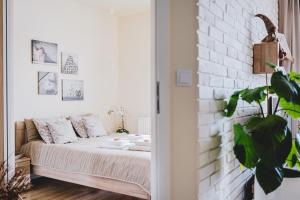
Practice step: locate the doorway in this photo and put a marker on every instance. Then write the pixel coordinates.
(159, 86)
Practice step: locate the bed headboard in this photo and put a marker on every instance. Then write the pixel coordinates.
(20, 133)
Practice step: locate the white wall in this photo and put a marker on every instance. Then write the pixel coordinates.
(114, 59)
(227, 32)
(90, 33)
(135, 68)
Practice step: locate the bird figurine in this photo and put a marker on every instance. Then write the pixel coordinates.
(271, 28)
(271, 37)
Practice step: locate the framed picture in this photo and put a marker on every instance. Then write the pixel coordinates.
(47, 83)
(72, 90)
(44, 52)
(69, 63)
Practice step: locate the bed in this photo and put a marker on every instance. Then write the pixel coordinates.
(86, 163)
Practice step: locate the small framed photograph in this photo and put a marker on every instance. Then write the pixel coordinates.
(69, 63)
(72, 90)
(47, 83)
(44, 52)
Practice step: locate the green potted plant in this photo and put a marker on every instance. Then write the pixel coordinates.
(264, 143)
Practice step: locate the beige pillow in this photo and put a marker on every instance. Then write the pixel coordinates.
(31, 131)
(93, 126)
(62, 131)
(78, 125)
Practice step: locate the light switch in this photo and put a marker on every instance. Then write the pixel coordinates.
(184, 78)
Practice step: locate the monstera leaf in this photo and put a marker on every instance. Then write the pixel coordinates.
(249, 95)
(293, 158)
(297, 142)
(285, 88)
(291, 109)
(271, 65)
(269, 177)
(291, 173)
(271, 138)
(257, 94)
(294, 77)
(244, 149)
(232, 104)
(253, 122)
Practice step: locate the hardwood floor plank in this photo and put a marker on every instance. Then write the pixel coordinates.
(49, 189)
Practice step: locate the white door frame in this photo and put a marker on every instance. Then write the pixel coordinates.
(8, 86)
(161, 154)
(161, 140)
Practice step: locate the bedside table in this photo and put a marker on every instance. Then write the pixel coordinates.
(23, 163)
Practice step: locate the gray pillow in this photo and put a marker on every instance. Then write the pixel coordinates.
(78, 125)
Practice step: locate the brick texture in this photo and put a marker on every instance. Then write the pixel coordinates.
(227, 32)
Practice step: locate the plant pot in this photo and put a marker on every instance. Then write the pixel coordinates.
(289, 189)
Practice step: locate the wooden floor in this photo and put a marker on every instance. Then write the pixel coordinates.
(49, 189)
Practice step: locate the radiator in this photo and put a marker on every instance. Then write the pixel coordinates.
(144, 126)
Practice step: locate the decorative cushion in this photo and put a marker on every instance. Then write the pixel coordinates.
(78, 125)
(62, 131)
(31, 131)
(44, 132)
(93, 125)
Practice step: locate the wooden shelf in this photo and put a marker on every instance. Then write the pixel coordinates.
(263, 53)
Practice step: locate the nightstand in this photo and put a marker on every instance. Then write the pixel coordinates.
(23, 163)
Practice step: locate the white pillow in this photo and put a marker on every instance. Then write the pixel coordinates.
(62, 131)
(41, 126)
(93, 126)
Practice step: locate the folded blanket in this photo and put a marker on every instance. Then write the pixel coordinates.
(140, 148)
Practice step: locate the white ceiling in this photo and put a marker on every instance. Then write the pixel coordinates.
(120, 7)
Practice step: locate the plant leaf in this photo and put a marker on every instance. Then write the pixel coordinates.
(232, 104)
(273, 66)
(291, 109)
(253, 122)
(293, 158)
(272, 139)
(294, 77)
(270, 90)
(243, 147)
(285, 88)
(297, 142)
(269, 177)
(291, 173)
(257, 94)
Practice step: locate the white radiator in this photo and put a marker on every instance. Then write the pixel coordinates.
(144, 126)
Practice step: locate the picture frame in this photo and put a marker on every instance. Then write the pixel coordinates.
(72, 90)
(44, 52)
(69, 63)
(47, 83)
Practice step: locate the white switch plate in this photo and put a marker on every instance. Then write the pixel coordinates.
(184, 78)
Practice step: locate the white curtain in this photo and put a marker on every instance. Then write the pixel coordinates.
(289, 25)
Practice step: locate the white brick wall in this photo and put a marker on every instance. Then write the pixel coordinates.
(227, 32)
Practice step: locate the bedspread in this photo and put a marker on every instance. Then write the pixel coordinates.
(85, 157)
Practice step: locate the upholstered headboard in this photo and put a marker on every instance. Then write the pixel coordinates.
(20, 135)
